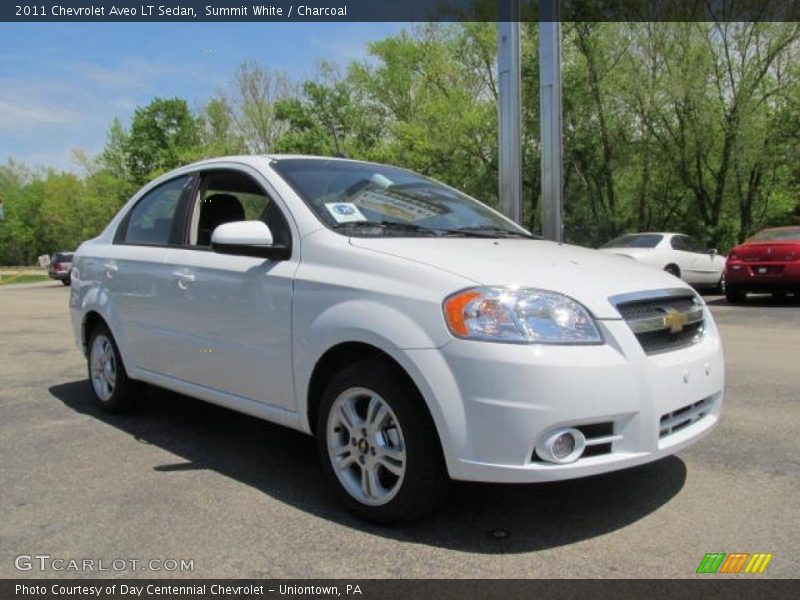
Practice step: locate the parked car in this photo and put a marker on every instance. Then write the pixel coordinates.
(60, 266)
(678, 254)
(416, 332)
(767, 262)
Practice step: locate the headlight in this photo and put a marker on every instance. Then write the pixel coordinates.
(519, 315)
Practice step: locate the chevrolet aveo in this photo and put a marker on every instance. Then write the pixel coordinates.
(419, 335)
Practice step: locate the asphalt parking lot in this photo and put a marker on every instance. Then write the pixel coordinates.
(180, 479)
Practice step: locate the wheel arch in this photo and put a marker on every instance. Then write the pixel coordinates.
(333, 360)
(447, 418)
(90, 321)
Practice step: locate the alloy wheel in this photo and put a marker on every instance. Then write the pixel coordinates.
(366, 446)
(103, 367)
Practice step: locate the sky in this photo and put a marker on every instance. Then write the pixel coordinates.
(61, 84)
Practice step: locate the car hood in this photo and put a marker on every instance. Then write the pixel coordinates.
(588, 276)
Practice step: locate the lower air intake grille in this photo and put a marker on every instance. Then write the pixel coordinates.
(683, 417)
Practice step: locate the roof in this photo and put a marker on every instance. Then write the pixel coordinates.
(653, 233)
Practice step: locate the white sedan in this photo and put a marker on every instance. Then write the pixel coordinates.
(676, 253)
(418, 334)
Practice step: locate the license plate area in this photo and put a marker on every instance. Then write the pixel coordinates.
(767, 270)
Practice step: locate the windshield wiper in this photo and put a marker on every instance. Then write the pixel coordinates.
(491, 231)
(388, 226)
(482, 231)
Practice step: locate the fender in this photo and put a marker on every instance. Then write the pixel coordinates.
(389, 330)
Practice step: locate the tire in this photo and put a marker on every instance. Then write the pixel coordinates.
(673, 270)
(65, 281)
(114, 392)
(734, 295)
(400, 434)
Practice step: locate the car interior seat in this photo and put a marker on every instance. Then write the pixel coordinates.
(216, 210)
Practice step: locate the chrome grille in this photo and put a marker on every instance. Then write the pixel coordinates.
(663, 321)
(683, 417)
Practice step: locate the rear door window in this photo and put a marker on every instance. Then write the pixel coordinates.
(679, 243)
(696, 245)
(151, 221)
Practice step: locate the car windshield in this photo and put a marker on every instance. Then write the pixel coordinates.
(791, 235)
(635, 240)
(62, 258)
(366, 199)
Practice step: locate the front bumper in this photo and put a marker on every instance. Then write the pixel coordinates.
(492, 402)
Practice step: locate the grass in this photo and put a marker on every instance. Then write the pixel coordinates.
(6, 279)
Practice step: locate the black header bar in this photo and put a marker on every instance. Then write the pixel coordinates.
(392, 10)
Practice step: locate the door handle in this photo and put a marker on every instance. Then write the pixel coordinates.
(183, 279)
(111, 269)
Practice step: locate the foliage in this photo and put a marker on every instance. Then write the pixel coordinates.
(161, 133)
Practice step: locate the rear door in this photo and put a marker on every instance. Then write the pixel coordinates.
(685, 257)
(231, 316)
(137, 278)
(706, 266)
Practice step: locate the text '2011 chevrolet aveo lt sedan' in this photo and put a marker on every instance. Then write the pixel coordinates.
(418, 334)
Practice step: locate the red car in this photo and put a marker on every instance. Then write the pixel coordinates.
(767, 262)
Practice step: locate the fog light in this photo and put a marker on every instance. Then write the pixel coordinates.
(561, 446)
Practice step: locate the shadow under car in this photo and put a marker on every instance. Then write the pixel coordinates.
(478, 518)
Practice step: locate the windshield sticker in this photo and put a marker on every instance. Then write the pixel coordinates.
(394, 205)
(345, 212)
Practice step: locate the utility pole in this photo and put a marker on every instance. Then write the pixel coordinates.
(550, 120)
(509, 109)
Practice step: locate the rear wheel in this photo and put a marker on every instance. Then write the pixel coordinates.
(734, 295)
(378, 445)
(113, 390)
(65, 281)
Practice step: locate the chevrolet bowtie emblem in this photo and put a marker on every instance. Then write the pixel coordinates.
(674, 320)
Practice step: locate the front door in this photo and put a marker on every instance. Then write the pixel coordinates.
(231, 315)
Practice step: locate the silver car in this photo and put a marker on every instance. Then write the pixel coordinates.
(60, 267)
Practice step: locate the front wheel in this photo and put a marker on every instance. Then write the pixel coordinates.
(113, 390)
(378, 445)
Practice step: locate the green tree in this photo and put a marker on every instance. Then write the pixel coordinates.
(331, 116)
(160, 134)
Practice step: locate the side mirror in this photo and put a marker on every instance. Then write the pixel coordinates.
(713, 252)
(247, 238)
